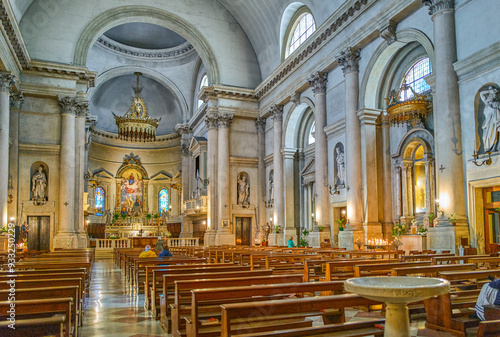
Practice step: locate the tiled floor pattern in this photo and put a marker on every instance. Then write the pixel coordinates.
(113, 310)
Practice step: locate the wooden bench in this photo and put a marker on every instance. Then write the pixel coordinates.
(431, 270)
(48, 326)
(204, 299)
(384, 268)
(423, 257)
(258, 314)
(342, 270)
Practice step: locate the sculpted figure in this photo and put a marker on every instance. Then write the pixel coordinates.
(340, 167)
(39, 183)
(491, 124)
(243, 189)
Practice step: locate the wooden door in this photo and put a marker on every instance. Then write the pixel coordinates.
(491, 198)
(39, 233)
(243, 231)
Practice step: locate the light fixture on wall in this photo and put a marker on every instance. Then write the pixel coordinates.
(486, 161)
(197, 209)
(204, 182)
(333, 190)
(269, 203)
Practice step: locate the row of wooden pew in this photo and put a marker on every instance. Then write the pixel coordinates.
(45, 292)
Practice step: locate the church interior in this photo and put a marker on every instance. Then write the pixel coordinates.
(341, 157)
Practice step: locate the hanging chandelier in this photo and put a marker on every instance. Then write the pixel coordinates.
(404, 111)
(136, 125)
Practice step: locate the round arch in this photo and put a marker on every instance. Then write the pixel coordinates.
(372, 83)
(293, 119)
(160, 78)
(125, 14)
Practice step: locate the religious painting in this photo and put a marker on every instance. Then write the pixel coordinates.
(131, 191)
(99, 201)
(225, 223)
(163, 202)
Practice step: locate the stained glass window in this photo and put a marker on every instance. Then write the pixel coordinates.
(415, 78)
(203, 83)
(99, 201)
(305, 28)
(311, 134)
(163, 201)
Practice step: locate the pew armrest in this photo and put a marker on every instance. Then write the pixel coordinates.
(491, 312)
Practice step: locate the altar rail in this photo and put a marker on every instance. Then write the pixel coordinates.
(183, 242)
(113, 243)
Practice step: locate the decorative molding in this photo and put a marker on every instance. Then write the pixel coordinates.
(212, 122)
(82, 109)
(68, 105)
(295, 98)
(276, 112)
(148, 54)
(185, 150)
(318, 82)
(349, 60)
(39, 149)
(222, 91)
(182, 129)
(225, 120)
(439, 5)
(368, 116)
(335, 129)
(16, 101)
(389, 33)
(478, 63)
(321, 35)
(244, 161)
(18, 45)
(63, 71)
(260, 124)
(105, 135)
(7, 80)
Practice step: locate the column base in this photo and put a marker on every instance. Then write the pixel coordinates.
(209, 238)
(82, 240)
(446, 238)
(316, 238)
(290, 232)
(347, 238)
(65, 241)
(275, 239)
(224, 238)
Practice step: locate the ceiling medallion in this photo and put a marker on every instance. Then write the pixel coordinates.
(401, 111)
(136, 125)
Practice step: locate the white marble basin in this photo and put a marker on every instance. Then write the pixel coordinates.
(397, 289)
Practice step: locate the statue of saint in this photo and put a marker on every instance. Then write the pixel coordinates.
(39, 184)
(243, 189)
(108, 217)
(491, 124)
(340, 167)
(271, 186)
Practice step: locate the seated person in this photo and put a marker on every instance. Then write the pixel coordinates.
(165, 252)
(290, 242)
(147, 252)
(489, 295)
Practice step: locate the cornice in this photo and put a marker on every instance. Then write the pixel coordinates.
(12, 30)
(58, 70)
(335, 129)
(113, 46)
(324, 33)
(110, 138)
(244, 161)
(478, 63)
(269, 159)
(46, 149)
(227, 92)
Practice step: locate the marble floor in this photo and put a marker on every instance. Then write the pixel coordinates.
(113, 310)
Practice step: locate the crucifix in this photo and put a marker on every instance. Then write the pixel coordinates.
(441, 168)
(66, 203)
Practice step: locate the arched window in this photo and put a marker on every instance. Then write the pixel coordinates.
(415, 78)
(163, 201)
(303, 27)
(99, 201)
(311, 134)
(203, 83)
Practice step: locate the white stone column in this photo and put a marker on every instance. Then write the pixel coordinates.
(290, 229)
(387, 170)
(322, 210)
(260, 124)
(184, 131)
(16, 102)
(66, 236)
(211, 120)
(81, 115)
(448, 136)
(6, 82)
(348, 60)
(279, 207)
(224, 234)
(368, 119)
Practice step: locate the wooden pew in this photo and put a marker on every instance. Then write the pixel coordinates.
(454, 259)
(47, 326)
(431, 270)
(204, 299)
(384, 268)
(30, 308)
(255, 312)
(332, 272)
(422, 257)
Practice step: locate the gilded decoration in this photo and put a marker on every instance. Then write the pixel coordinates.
(132, 187)
(401, 111)
(136, 125)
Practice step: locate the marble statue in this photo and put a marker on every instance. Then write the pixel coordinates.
(243, 189)
(491, 124)
(39, 181)
(340, 167)
(271, 186)
(108, 217)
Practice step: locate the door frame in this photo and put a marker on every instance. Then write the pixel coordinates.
(249, 228)
(488, 208)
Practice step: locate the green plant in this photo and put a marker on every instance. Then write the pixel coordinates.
(452, 217)
(305, 232)
(5, 229)
(277, 229)
(149, 216)
(422, 231)
(320, 228)
(123, 216)
(340, 222)
(303, 242)
(431, 218)
(156, 216)
(399, 229)
(116, 216)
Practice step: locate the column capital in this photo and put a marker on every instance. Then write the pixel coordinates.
(225, 121)
(385, 119)
(260, 124)
(68, 104)
(182, 129)
(276, 112)
(7, 80)
(82, 109)
(17, 100)
(318, 82)
(212, 121)
(368, 116)
(185, 150)
(288, 153)
(439, 5)
(295, 98)
(349, 60)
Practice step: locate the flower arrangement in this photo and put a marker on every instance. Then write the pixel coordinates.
(340, 222)
(168, 234)
(431, 219)
(452, 218)
(358, 243)
(397, 243)
(277, 229)
(422, 231)
(320, 228)
(113, 237)
(399, 229)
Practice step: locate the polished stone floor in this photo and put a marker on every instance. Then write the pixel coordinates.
(113, 310)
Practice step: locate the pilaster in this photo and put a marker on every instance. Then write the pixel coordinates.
(6, 82)
(16, 103)
(290, 229)
(211, 122)
(276, 112)
(260, 124)
(387, 221)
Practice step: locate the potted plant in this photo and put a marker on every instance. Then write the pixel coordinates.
(453, 219)
(149, 216)
(340, 222)
(320, 228)
(303, 242)
(116, 217)
(264, 242)
(277, 229)
(422, 231)
(397, 243)
(156, 216)
(431, 219)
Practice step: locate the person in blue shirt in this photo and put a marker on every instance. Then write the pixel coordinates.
(290, 242)
(165, 253)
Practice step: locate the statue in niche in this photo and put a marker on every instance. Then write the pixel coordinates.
(340, 167)
(108, 217)
(491, 124)
(271, 185)
(39, 184)
(243, 188)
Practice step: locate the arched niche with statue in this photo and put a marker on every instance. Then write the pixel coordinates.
(132, 187)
